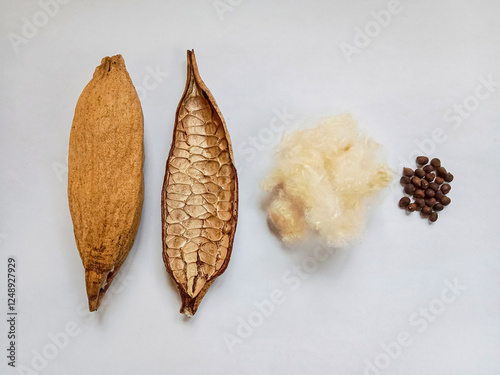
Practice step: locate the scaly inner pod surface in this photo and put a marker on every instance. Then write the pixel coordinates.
(200, 194)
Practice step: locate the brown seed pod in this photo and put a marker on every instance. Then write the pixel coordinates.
(419, 193)
(445, 201)
(411, 207)
(439, 180)
(426, 211)
(200, 194)
(416, 181)
(420, 202)
(434, 186)
(441, 171)
(424, 184)
(408, 172)
(422, 160)
(429, 193)
(439, 194)
(419, 173)
(445, 188)
(436, 162)
(438, 207)
(105, 179)
(430, 177)
(428, 168)
(404, 202)
(433, 217)
(404, 180)
(430, 202)
(409, 189)
(449, 177)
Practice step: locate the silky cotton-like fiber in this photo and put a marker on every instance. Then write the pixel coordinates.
(322, 180)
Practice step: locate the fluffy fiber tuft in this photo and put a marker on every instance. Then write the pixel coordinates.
(322, 179)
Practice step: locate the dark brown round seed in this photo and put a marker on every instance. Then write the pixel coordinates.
(439, 180)
(445, 188)
(430, 202)
(429, 193)
(434, 186)
(419, 193)
(410, 189)
(436, 162)
(408, 172)
(441, 171)
(422, 160)
(438, 207)
(416, 181)
(411, 207)
(424, 184)
(420, 202)
(405, 180)
(404, 202)
(439, 194)
(433, 217)
(428, 168)
(445, 201)
(419, 173)
(426, 210)
(430, 177)
(449, 177)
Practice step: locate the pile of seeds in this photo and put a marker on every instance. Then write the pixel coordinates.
(428, 185)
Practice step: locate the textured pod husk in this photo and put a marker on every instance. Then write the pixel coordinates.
(200, 194)
(105, 178)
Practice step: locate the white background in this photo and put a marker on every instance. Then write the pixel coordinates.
(259, 57)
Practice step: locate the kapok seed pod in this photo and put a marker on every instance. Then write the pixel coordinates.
(416, 181)
(441, 172)
(439, 180)
(430, 202)
(405, 180)
(433, 217)
(430, 177)
(420, 173)
(404, 202)
(439, 194)
(105, 179)
(424, 184)
(419, 193)
(422, 160)
(409, 189)
(445, 188)
(200, 194)
(411, 207)
(428, 168)
(408, 172)
(419, 202)
(436, 163)
(426, 211)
